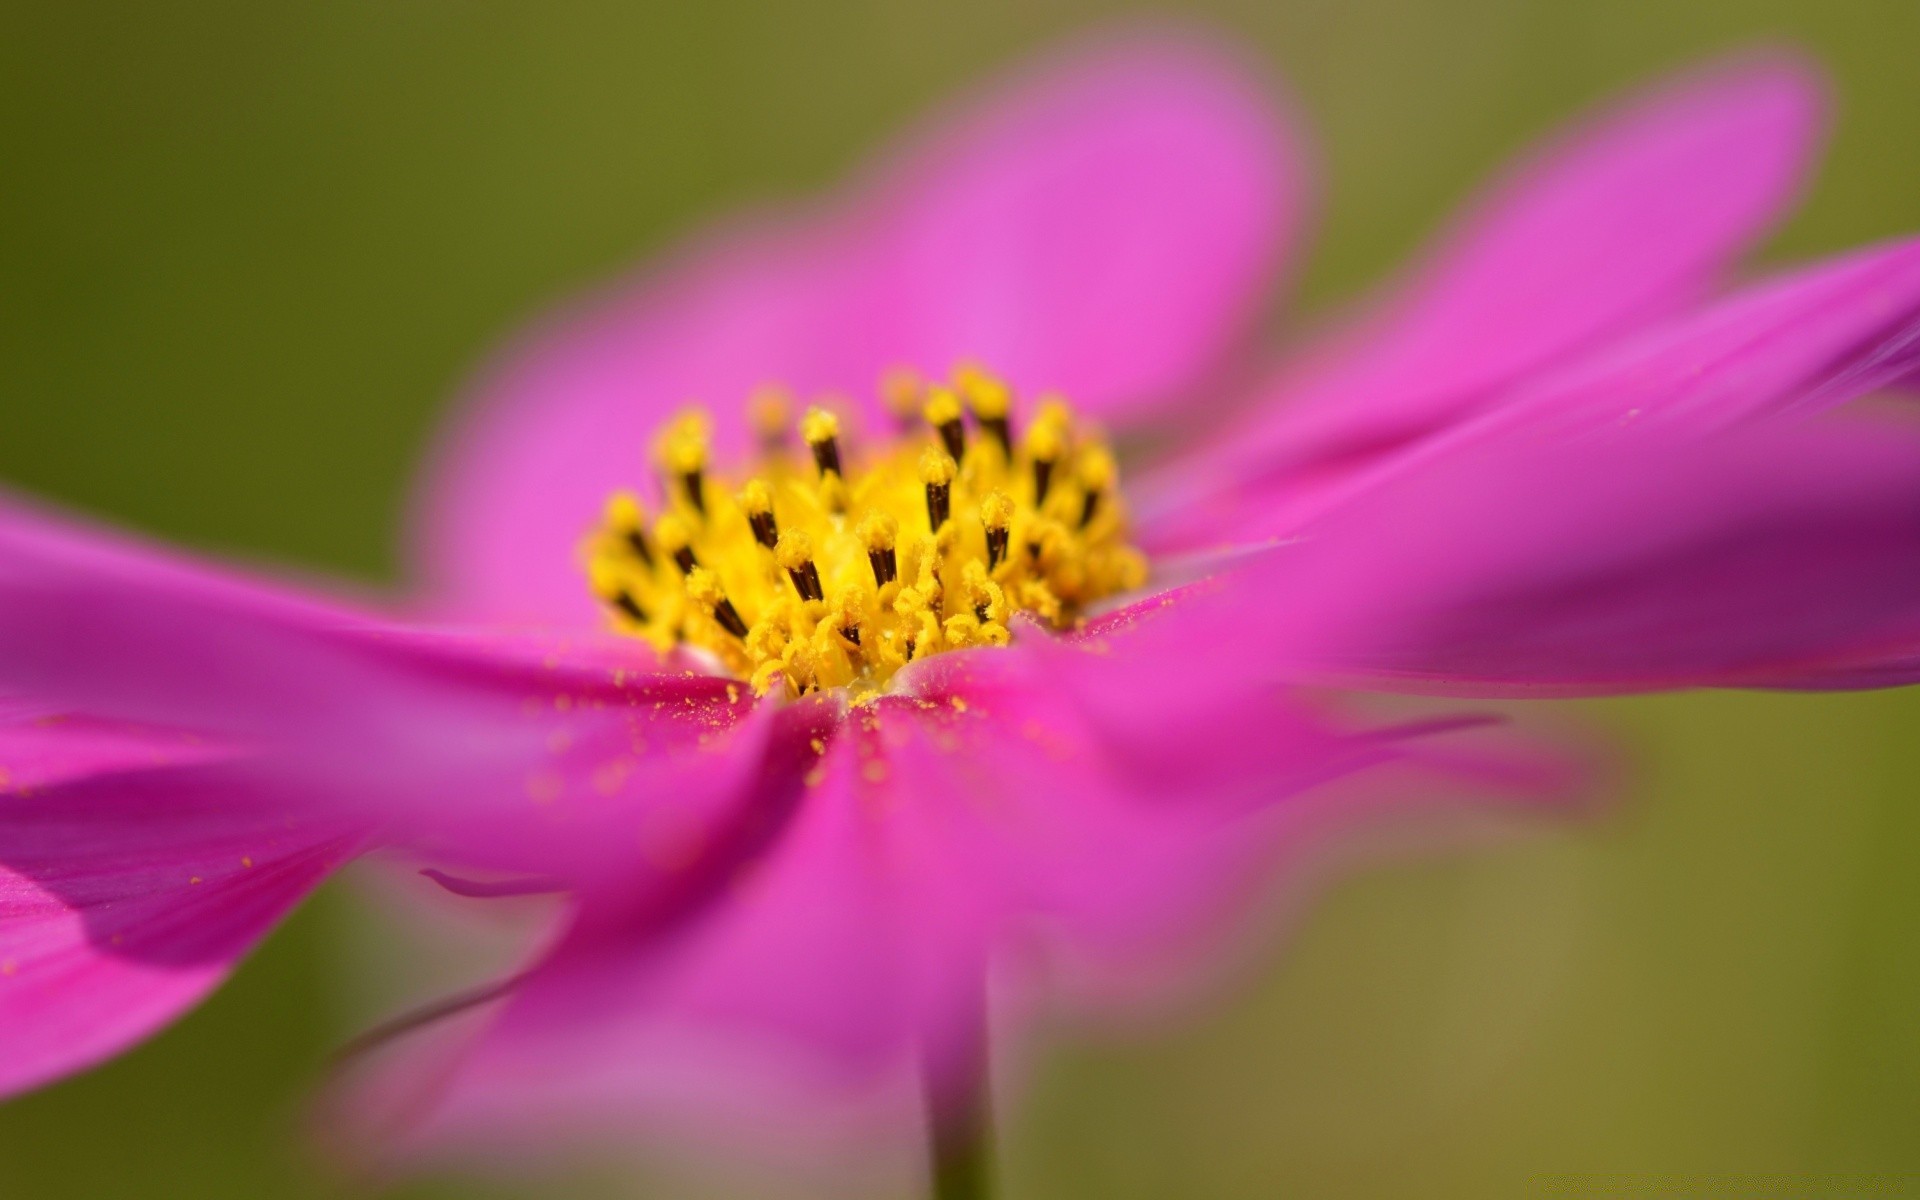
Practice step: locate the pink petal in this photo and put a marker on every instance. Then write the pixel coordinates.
(1645, 558)
(986, 823)
(1792, 345)
(1103, 226)
(507, 752)
(125, 898)
(190, 752)
(1783, 348)
(1629, 218)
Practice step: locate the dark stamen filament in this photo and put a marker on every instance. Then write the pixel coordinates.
(625, 602)
(795, 554)
(1001, 430)
(826, 455)
(642, 548)
(821, 429)
(953, 435)
(765, 531)
(729, 617)
(936, 472)
(806, 581)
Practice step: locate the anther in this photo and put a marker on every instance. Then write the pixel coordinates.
(626, 518)
(996, 513)
(612, 589)
(991, 402)
(936, 472)
(770, 412)
(676, 540)
(956, 583)
(624, 601)
(685, 454)
(756, 500)
(1096, 476)
(706, 590)
(943, 413)
(794, 553)
(901, 389)
(879, 531)
(1045, 442)
(821, 429)
(846, 616)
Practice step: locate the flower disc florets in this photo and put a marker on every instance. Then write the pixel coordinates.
(835, 566)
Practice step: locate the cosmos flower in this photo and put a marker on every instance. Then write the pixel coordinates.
(874, 688)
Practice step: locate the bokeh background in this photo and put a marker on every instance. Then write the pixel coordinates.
(247, 251)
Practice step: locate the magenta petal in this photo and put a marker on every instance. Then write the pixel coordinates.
(504, 752)
(988, 824)
(1630, 217)
(1103, 226)
(1784, 348)
(125, 898)
(1791, 345)
(1643, 559)
(789, 994)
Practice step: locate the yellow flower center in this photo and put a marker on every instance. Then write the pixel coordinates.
(838, 566)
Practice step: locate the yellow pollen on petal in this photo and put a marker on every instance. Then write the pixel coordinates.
(827, 565)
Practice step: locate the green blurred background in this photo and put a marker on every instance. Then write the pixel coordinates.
(248, 250)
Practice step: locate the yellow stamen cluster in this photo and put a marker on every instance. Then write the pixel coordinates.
(832, 567)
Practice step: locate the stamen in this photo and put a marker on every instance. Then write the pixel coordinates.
(625, 602)
(1096, 476)
(684, 452)
(821, 429)
(936, 473)
(996, 513)
(988, 600)
(1045, 443)
(816, 622)
(943, 413)
(846, 617)
(879, 530)
(628, 520)
(795, 554)
(610, 585)
(706, 591)
(901, 388)
(991, 401)
(756, 500)
(771, 411)
(677, 540)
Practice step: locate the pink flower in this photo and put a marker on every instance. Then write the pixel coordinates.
(1557, 459)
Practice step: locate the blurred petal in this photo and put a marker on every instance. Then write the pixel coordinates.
(1629, 218)
(1793, 345)
(1105, 226)
(1784, 348)
(510, 752)
(987, 823)
(125, 898)
(1644, 559)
